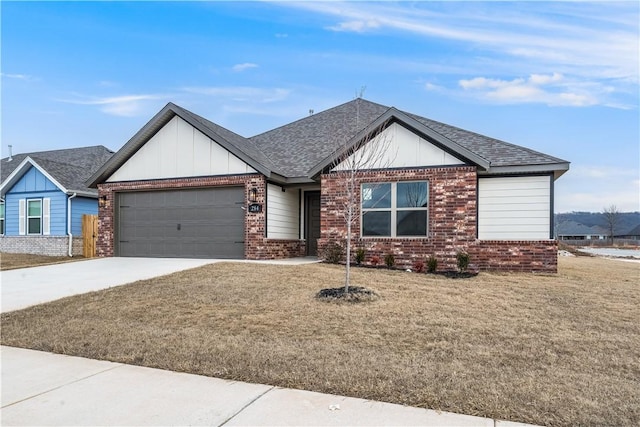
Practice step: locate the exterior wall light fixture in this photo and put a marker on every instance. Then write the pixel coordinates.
(253, 195)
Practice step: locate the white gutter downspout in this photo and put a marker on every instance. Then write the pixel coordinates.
(69, 223)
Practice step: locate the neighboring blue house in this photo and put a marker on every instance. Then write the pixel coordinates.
(43, 196)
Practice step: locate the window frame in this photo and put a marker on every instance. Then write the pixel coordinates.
(394, 209)
(27, 217)
(3, 214)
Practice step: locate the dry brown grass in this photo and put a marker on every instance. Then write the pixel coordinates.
(11, 261)
(547, 349)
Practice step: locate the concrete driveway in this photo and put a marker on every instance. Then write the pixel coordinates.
(25, 287)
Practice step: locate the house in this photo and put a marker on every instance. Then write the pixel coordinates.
(632, 234)
(572, 230)
(43, 196)
(183, 186)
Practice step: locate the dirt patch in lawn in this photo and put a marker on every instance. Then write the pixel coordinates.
(11, 261)
(546, 349)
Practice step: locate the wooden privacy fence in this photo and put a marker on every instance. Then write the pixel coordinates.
(89, 235)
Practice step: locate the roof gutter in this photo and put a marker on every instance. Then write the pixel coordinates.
(558, 169)
(69, 223)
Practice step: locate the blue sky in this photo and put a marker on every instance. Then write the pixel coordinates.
(560, 77)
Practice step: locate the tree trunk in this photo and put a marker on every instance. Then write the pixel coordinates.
(347, 277)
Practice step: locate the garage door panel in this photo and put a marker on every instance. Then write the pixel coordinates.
(201, 223)
(194, 214)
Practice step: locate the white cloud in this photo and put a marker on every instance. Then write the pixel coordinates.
(125, 105)
(24, 77)
(541, 79)
(591, 188)
(595, 43)
(626, 200)
(551, 89)
(359, 26)
(433, 87)
(244, 66)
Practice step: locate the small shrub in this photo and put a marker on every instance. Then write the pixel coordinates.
(418, 266)
(333, 253)
(389, 260)
(375, 260)
(432, 264)
(360, 253)
(463, 261)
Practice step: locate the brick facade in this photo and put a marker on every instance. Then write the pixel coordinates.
(452, 225)
(524, 256)
(41, 245)
(257, 246)
(452, 222)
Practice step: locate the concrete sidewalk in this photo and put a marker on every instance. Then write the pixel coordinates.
(54, 390)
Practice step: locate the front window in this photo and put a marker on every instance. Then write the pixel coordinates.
(34, 216)
(395, 209)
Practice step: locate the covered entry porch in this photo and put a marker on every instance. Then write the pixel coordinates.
(293, 213)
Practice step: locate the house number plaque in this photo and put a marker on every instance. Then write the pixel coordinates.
(255, 208)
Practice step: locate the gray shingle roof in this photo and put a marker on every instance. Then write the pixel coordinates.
(299, 146)
(635, 231)
(71, 167)
(573, 228)
(499, 153)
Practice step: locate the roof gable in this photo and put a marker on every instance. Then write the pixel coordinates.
(400, 147)
(21, 170)
(33, 180)
(179, 150)
(390, 116)
(307, 146)
(67, 169)
(298, 147)
(232, 142)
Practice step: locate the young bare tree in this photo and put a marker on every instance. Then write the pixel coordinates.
(373, 151)
(612, 218)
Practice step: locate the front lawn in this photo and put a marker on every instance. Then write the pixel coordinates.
(545, 349)
(11, 261)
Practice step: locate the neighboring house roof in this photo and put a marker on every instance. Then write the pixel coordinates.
(68, 168)
(635, 231)
(573, 228)
(300, 150)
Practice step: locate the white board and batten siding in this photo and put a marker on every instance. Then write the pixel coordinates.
(403, 148)
(179, 150)
(283, 209)
(514, 208)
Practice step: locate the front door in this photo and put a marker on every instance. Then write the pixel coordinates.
(312, 221)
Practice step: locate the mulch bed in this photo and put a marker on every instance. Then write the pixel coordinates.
(354, 294)
(450, 274)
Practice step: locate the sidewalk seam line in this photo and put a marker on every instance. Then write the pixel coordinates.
(60, 386)
(246, 406)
